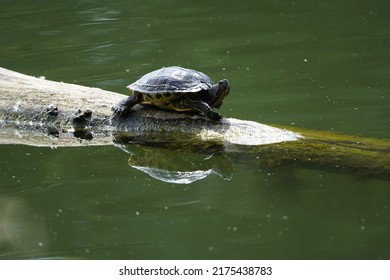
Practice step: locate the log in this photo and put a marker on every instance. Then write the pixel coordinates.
(63, 114)
(35, 111)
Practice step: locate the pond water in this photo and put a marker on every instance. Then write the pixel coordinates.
(319, 65)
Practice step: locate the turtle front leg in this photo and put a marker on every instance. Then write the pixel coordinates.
(122, 108)
(204, 108)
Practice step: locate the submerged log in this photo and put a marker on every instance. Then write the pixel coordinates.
(35, 111)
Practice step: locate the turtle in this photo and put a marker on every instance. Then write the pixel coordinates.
(176, 88)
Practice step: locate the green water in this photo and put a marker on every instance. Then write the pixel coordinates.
(310, 64)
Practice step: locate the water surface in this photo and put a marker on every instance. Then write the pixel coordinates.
(310, 64)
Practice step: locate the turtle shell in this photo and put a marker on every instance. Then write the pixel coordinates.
(172, 79)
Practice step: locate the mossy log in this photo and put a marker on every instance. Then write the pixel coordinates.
(35, 111)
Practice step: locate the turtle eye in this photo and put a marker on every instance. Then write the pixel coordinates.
(223, 82)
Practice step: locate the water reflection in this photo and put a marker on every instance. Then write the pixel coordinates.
(22, 233)
(177, 166)
(99, 15)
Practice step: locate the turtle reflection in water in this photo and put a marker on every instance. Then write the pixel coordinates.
(180, 167)
(176, 88)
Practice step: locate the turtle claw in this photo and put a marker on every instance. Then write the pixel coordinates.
(214, 116)
(205, 108)
(119, 111)
(123, 108)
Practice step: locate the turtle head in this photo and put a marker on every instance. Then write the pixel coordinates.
(217, 93)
